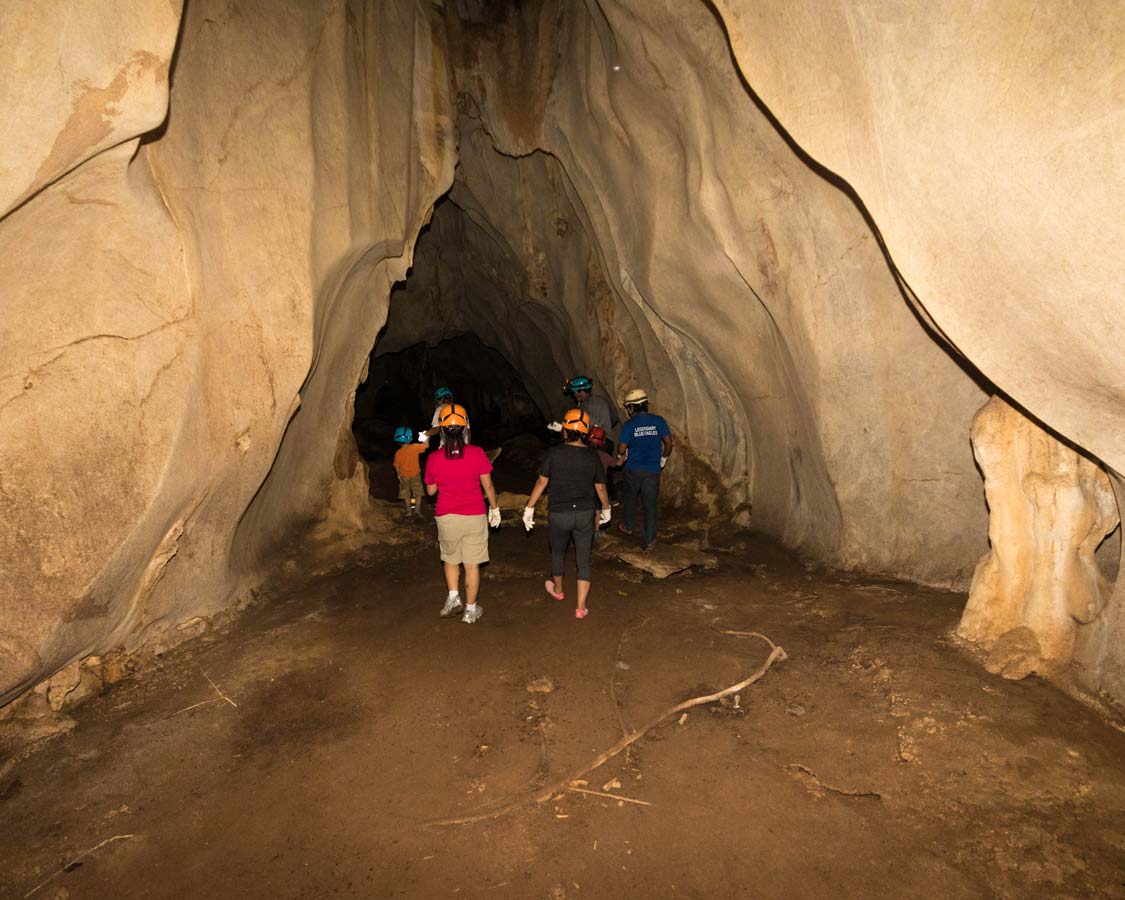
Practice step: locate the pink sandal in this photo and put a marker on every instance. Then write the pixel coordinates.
(581, 613)
(549, 584)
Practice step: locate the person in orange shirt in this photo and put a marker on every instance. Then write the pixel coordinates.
(408, 465)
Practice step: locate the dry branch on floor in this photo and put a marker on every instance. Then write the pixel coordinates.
(581, 790)
(777, 653)
(843, 792)
(81, 856)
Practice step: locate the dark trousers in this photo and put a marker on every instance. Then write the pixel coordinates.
(645, 485)
(564, 526)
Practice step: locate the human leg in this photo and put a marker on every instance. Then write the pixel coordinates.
(631, 488)
(450, 545)
(650, 492)
(453, 604)
(414, 489)
(475, 552)
(472, 583)
(583, 548)
(559, 527)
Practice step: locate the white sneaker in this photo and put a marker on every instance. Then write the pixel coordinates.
(472, 613)
(453, 605)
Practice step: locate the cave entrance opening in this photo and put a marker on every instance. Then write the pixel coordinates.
(465, 318)
(399, 391)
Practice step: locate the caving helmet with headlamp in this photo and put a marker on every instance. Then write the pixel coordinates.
(404, 435)
(578, 383)
(443, 395)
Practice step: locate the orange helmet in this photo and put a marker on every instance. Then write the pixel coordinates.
(453, 414)
(576, 420)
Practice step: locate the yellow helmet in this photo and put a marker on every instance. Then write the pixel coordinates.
(576, 420)
(635, 396)
(453, 414)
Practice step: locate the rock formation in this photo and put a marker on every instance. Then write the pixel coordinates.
(174, 307)
(1050, 509)
(747, 292)
(820, 232)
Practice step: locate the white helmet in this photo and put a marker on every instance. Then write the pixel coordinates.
(636, 396)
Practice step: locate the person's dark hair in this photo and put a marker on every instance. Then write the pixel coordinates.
(454, 441)
(635, 408)
(571, 435)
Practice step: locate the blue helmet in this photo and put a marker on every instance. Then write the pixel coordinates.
(579, 383)
(403, 435)
(443, 395)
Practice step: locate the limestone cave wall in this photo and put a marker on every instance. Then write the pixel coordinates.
(822, 234)
(761, 311)
(189, 297)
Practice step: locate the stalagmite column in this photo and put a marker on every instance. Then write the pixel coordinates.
(1049, 509)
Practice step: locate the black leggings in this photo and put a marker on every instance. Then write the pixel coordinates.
(565, 525)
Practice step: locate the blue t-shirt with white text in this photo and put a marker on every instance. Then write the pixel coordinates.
(642, 434)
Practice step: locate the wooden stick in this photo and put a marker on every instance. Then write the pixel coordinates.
(579, 790)
(747, 634)
(194, 705)
(77, 859)
(217, 691)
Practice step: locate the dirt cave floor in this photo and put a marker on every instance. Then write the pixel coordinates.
(876, 761)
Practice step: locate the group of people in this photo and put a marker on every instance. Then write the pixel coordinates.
(576, 474)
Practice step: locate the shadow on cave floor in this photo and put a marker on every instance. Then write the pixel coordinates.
(877, 761)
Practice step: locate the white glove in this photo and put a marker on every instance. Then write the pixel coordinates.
(554, 426)
(423, 437)
(603, 516)
(663, 461)
(529, 517)
(494, 517)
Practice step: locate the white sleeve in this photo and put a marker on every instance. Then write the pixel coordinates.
(437, 412)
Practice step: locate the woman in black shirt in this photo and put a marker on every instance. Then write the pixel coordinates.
(577, 479)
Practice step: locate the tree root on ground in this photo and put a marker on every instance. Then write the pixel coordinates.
(545, 794)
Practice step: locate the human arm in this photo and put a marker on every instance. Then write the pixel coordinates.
(537, 491)
(489, 490)
(603, 496)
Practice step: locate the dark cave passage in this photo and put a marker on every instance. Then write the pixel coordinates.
(399, 391)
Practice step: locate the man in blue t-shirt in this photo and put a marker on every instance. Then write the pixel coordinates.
(644, 445)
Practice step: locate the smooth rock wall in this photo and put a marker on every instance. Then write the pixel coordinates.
(783, 350)
(168, 308)
(986, 140)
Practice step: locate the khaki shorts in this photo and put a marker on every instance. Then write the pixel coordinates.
(463, 539)
(410, 488)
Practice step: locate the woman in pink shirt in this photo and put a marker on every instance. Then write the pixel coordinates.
(456, 473)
